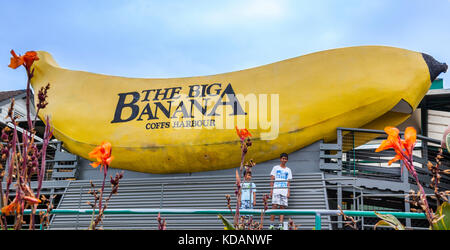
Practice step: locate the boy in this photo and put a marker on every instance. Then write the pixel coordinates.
(248, 191)
(280, 189)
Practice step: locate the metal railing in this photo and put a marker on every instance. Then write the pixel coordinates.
(165, 191)
(206, 192)
(79, 207)
(317, 213)
(360, 205)
(365, 162)
(353, 155)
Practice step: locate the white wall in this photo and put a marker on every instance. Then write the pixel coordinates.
(437, 123)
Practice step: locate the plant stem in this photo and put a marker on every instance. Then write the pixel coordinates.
(47, 136)
(105, 171)
(30, 75)
(423, 197)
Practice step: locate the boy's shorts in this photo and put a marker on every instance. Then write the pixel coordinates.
(280, 199)
(246, 204)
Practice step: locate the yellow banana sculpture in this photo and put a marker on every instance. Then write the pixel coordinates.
(180, 125)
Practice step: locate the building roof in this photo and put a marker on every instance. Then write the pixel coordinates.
(5, 95)
(436, 99)
(438, 91)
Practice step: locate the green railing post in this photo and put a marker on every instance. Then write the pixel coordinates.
(318, 224)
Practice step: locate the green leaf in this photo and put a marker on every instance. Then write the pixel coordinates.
(389, 220)
(226, 223)
(444, 222)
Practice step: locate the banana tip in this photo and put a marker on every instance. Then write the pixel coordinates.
(434, 67)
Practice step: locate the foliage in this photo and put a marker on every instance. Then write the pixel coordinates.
(403, 149)
(443, 212)
(350, 221)
(22, 157)
(226, 223)
(389, 220)
(102, 154)
(161, 222)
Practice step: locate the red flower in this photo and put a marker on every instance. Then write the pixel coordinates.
(32, 200)
(102, 154)
(26, 60)
(243, 133)
(13, 206)
(29, 196)
(29, 58)
(16, 61)
(403, 148)
(410, 140)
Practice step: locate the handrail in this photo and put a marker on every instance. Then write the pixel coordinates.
(373, 165)
(421, 137)
(316, 212)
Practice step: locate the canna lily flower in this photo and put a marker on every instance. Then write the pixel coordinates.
(29, 196)
(403, 148)
(102, 154)
(32, 200)
(13, 206)
(396, 158)
(410, 140)
(16, 61)
(29, 58)
(243, 133)
(393, 140)
(26, 60)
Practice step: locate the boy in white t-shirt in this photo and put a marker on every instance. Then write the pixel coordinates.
(280, 188)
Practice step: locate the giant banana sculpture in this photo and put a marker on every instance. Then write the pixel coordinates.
(187, 124)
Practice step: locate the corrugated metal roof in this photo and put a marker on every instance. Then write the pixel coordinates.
(4, 95)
